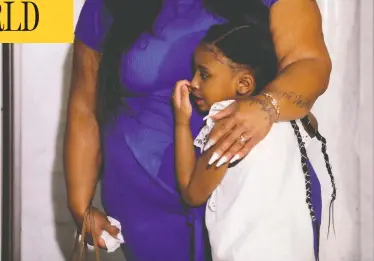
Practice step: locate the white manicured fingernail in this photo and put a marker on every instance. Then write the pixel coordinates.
(235, 158)
(214, 157)
(120, 238)
(221, 161)
(209, 144)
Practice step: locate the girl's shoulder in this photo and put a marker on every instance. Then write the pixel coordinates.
(202, 137)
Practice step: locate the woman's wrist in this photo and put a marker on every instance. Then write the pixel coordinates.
(274, 103)
(79, 209)
(291, 105)
(267, 105)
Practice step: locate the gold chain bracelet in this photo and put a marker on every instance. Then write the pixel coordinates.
(274, 103)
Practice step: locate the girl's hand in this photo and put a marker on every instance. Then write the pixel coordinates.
(95, 225)
(239, 128)
(181, 103)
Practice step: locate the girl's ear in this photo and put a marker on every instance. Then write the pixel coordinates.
(246, 84)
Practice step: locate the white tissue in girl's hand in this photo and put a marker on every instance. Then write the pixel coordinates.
(216, 108)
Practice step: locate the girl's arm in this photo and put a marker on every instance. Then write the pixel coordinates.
(197, 179)
(185, 157)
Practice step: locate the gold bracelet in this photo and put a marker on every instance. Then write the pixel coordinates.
(274, 103)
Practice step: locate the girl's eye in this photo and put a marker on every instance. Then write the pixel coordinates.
(203, 75)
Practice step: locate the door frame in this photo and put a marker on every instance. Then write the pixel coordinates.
(11, 154)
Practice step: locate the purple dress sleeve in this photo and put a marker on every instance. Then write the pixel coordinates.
(269, 3)
(92, 24)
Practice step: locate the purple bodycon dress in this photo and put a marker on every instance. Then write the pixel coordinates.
(138, 183)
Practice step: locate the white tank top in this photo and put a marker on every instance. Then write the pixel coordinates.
(258, 212)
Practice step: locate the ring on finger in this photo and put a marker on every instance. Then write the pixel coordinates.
(242, 139)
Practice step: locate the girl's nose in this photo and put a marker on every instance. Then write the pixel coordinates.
(194, 84)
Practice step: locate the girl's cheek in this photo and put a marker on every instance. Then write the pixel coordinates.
(210, 101)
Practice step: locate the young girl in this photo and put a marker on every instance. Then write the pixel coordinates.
(257, 208)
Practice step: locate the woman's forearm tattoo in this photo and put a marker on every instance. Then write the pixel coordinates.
(271, 112)
(296, 99)
(266, 106)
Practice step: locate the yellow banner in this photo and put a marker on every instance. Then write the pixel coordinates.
(36, 21)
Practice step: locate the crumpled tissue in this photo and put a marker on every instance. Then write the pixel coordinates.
(112, 244)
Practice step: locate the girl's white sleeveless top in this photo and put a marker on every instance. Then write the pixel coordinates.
(258, 212)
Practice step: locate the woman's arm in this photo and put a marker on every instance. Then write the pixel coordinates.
(197, 179)
(305, 69)
(82, 147)
(304, 62)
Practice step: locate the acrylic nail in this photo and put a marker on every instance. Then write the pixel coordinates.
(235, 158)
(120, 238)
(221, 161)
(208, 145)
(214, 157)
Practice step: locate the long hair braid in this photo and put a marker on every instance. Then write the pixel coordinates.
(308, 183)
(323, 141)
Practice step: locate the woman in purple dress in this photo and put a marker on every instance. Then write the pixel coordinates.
(127, 57)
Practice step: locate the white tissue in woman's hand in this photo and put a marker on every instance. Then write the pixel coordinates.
(112, 244)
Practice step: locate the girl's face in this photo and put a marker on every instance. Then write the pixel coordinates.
(214, 80)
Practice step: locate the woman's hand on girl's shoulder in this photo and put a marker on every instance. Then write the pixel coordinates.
(240, 127)
(181, 103)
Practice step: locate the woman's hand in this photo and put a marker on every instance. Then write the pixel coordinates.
(95, 225)
(239, 128)
(181, 102)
